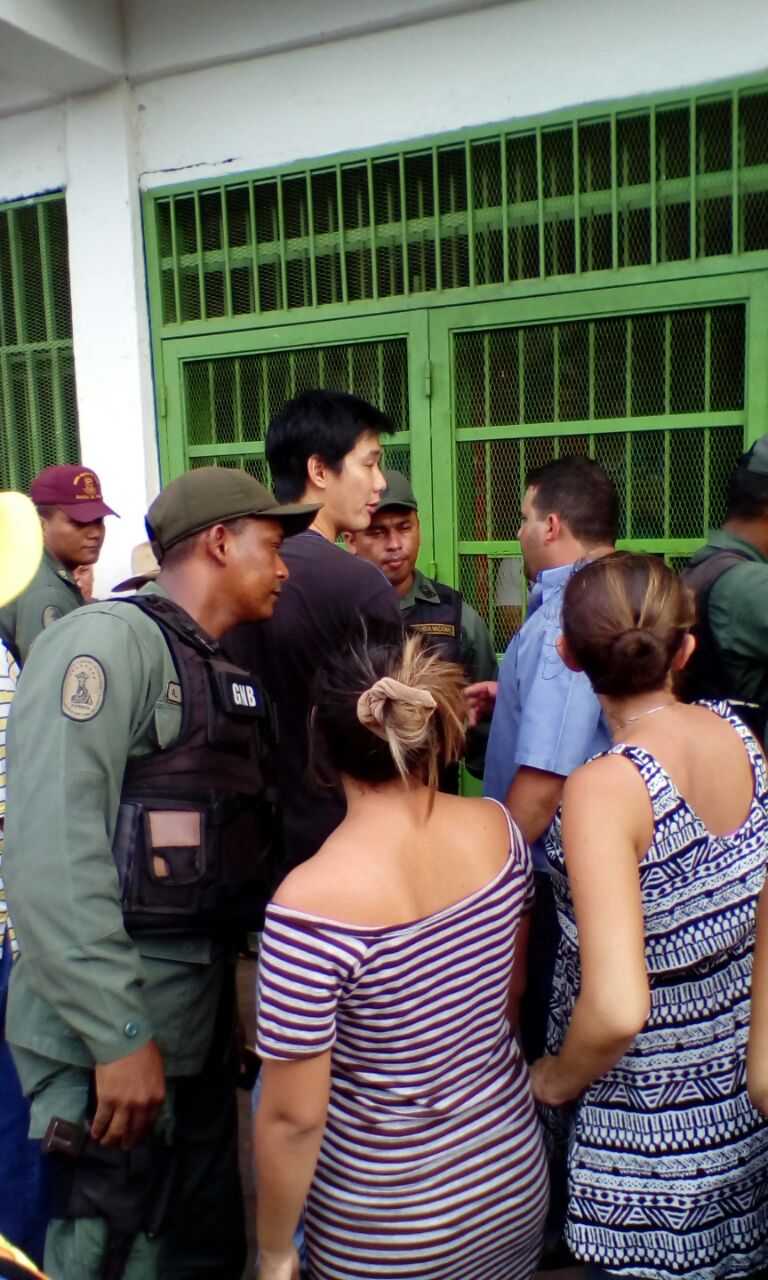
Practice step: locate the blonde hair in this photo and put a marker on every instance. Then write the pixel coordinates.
(418, 725)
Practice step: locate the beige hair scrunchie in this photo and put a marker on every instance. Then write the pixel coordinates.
(371, 704)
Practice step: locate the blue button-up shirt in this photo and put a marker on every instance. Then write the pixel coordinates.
(546, 717)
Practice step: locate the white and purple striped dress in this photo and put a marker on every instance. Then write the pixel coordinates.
(432, 1162)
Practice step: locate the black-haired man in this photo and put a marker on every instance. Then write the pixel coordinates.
(324, 446)
(729, 578)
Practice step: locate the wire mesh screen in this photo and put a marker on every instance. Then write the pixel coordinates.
(38, 408)
(230, 400)
(687, 361)
(671, 482)
(611, 389)
(626, 188)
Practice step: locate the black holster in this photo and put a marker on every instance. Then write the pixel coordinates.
(130, 1190)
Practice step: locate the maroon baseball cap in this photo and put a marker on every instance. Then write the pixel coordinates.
(73, 488)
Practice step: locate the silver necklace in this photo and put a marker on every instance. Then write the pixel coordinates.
(650, 712)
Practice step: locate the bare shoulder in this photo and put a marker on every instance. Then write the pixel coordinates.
(604, 771)
(308, 886)
(606, 801)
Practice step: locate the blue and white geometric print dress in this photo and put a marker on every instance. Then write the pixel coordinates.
(667, 1157)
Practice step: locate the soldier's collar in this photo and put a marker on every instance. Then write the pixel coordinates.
(58, 568)
(422, 588)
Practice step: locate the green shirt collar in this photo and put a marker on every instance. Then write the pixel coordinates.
(420, 589)
(58, 568)
(729, 542)
(153, 589)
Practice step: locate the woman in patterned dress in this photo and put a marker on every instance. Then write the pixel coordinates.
(395, 1099)
(658, 858)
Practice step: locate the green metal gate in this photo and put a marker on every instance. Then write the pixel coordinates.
(594, 282)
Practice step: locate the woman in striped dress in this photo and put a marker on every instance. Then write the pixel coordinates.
(395, 1099)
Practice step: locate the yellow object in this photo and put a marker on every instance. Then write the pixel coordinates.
(21, 544)
(9, 1254)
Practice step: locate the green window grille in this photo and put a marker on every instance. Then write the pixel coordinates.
(38, 408)
(229, 401)
(601, 191)
(656, 398)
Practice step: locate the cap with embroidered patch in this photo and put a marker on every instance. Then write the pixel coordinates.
(398, 492)
(76, 490)
(213, 495)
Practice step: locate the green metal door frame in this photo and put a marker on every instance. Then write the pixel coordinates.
(176, 454)
(639, 299)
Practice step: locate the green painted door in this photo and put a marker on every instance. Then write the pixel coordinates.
(651, 382)
(221, 392)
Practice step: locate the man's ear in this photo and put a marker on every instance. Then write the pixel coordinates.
(349, 538)
(216, 541)
(554, 527)
(317, 471)
(565, 654)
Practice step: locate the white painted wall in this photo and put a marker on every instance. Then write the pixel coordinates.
(294, 79)
(32, 152)
(110, 326)
(512, 60)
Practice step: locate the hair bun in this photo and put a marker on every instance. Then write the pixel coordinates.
(637, 656)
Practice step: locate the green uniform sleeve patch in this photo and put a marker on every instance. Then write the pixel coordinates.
(51, 614)
(83, 688)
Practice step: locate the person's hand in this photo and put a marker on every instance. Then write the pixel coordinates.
(279, 1266)
(129, 1095)
(481, 699)
(546, 1085)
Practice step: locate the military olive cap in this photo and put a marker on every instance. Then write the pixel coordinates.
(213, 495)
(398, 492)
(756, 459)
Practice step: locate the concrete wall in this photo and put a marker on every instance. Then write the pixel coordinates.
(217, 88)
(512, 60)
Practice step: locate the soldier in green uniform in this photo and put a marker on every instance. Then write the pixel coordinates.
(139, 843)
(729, 578)
(71, 510)
(392, 542)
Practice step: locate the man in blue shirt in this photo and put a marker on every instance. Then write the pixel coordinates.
(547, 721)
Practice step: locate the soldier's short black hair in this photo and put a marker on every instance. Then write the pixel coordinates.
(747, 495)
(582, 493)
(326, 423)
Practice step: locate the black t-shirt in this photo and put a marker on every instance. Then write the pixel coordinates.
(327, 592)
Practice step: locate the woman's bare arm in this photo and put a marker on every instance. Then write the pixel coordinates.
(606, 826)
(288, 1131)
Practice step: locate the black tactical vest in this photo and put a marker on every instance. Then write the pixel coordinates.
(440, 621)
(197, 836)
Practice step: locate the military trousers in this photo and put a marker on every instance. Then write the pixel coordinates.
(205, 1235)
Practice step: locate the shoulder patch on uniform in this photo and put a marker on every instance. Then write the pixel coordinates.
(83, 688)
(51, 614)
(173, 691)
